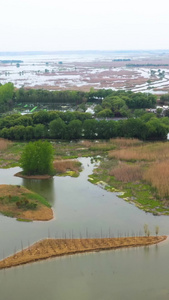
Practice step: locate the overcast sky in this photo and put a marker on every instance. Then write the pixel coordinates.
(27, 25)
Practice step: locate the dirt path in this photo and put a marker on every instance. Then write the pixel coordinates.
(58, 247)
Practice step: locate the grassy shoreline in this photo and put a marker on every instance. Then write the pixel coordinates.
(23, 204)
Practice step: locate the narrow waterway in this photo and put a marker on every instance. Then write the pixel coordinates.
(83, 209)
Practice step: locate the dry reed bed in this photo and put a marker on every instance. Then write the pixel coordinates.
(158, 176)
(127, 173)
(4, 144)
(123, 142)
(61, 166)
(148, 152)
(151, 164)
(58, 247)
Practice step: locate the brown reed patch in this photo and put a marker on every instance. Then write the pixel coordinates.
(148, 152)
(61, 166)
(4, 144)
(123, 142)
(127, 173)
(86, 143)
(158, 176)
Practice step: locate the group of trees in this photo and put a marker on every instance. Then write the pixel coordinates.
(122, 104)
(49, 97)
(164, 99)
(109, 103)
(6, 97)
(76, 125)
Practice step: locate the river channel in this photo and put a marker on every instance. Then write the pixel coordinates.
(82, 209)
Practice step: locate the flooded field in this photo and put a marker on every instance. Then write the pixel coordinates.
(81, 71)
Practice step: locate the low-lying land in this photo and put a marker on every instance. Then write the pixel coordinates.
(138, 170)
(58, 247)
(23, 204)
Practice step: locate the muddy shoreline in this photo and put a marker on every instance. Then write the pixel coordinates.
(46, 176)
(49, 248)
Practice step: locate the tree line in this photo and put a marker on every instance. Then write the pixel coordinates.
(76, 125)
(112, 103)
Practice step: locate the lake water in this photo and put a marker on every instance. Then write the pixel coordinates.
(83, 209)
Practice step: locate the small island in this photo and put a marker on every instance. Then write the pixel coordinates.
(59, 247)
(23, 204)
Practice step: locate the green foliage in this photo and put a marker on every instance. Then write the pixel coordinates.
(74, 129)
(26, 204)
(6, 96)
(38, 198)
(164, 99)
(57, 129)
(37, 158)
(105, 113)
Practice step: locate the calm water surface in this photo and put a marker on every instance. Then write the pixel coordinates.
(83, 209)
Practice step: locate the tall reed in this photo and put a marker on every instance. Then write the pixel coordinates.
(148, 152)
(61, 166)
(127, 173)
(158, 176)
(4, 144)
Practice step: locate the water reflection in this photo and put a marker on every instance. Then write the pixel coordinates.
(43, 187)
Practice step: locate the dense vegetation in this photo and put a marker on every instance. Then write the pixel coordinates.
(10, 97)
(76, 125)
(6, 97)
(37, 158)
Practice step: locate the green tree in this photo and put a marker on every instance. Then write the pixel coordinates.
(57, 129)
(37, 158)
(6, 96)
(40, 131)
(90, 129)
(74, 129)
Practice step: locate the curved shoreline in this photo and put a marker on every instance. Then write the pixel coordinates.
(59, 247)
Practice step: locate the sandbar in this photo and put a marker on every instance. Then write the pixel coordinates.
(49, 248)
